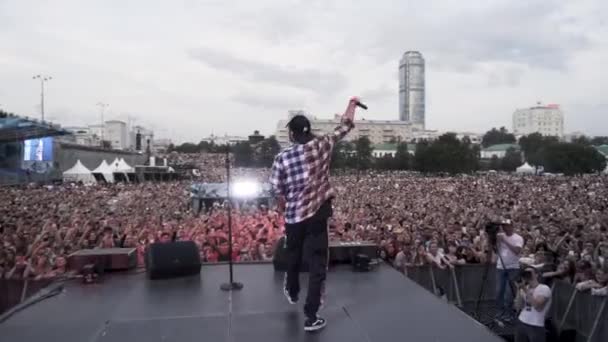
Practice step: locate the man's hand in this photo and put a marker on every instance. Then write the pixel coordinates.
(500, 237)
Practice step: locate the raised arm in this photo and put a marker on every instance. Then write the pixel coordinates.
(340, 132)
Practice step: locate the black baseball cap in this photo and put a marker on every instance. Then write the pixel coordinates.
(299, 124)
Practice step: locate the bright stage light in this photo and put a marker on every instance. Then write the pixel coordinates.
(245, 189)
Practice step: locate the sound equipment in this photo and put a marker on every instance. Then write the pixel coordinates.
(339, 253)
(104, 259)
(362, 263)
(172, 259)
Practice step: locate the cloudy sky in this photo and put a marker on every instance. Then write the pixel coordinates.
(188, 68)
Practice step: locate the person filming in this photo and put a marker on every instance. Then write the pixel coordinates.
(509, 246)
(534, 300)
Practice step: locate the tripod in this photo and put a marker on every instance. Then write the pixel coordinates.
(494, 248)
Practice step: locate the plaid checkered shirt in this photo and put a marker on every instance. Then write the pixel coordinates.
(300, 173)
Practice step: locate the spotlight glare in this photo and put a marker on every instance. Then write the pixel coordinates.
(245, 189)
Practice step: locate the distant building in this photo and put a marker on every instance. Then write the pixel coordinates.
(161, 145)
(97, 132)
(474, 138)
(255, 138)
(412, 88)
(81, 136)
(547, 120)
(225, 139)
(603, 149)
(569, 137)
(115, 132)
(499, 151)
(381, 150)
(145, 136)
(377, 131)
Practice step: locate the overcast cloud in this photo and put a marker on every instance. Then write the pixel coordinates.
(190, 68)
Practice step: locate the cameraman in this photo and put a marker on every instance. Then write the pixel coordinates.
(534, 300)
(509, 245)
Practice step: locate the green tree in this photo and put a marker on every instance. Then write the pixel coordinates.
(342, 155)
(582, 140)
(471, 154)
(572, 159)
(596, 141)
(446, 154)
(421, 156)
(363, 152)
(532, 146)
(497, 136)
(511, 160)
(385, 162)
(243, 154)
(219, 148)
(205, 146)
(494, 163)
(402, 157)
(267, 151)
(187, 148)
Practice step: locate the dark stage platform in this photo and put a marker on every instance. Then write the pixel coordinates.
(381, 305)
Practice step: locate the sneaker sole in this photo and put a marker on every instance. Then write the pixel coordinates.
(316, 327)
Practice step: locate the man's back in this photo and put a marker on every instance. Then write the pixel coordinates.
(301, 174)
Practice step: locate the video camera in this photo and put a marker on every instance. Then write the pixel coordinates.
(493, 227)
(526, 273)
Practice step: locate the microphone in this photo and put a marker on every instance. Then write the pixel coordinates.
(358, 103)
(361, 105)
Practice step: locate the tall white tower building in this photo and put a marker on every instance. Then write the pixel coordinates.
(411, 88)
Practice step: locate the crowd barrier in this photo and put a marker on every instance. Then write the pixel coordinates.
(570, 309)
(14, 291)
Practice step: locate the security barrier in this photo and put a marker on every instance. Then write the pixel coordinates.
(14, 291)
(570, 309)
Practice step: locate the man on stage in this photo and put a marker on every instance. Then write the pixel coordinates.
(300, 177)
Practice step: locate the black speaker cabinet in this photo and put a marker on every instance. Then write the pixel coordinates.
(172, 259)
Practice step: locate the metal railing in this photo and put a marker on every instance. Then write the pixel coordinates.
(570, 309)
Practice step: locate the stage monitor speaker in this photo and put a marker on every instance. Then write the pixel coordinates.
(172, 259)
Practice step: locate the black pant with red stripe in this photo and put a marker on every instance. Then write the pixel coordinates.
(308, 238)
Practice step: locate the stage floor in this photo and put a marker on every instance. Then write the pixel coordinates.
(381, 305)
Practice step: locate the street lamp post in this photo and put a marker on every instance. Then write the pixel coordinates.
(103, 107)
(43, 79)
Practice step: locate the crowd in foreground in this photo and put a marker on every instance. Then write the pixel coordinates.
(416, 220)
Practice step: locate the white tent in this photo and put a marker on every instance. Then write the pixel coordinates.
(115, 165)
(106, 171)
(526, 168)
(606, 169)
(124, 167)
(78, 173)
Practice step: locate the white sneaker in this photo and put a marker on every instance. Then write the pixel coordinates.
(314, 325)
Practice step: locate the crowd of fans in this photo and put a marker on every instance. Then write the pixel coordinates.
(416, 220)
